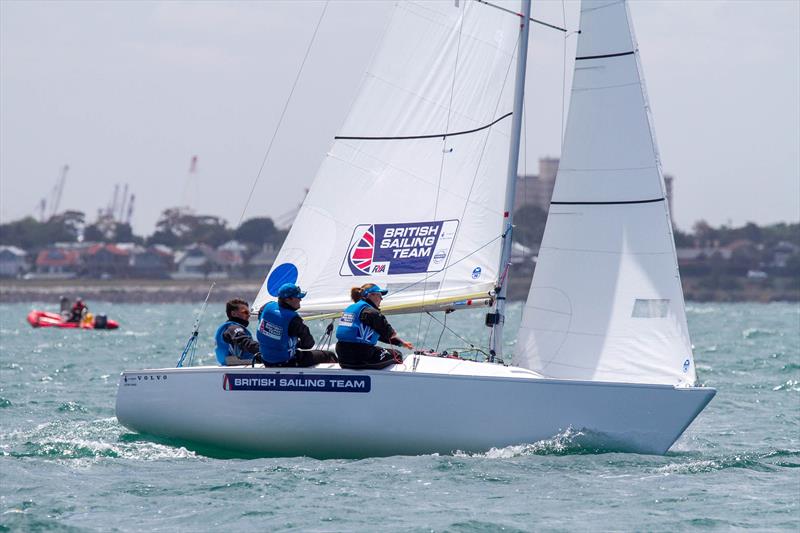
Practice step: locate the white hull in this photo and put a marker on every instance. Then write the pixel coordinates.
(446, 408)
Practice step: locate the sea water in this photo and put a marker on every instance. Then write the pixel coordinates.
(67, 465)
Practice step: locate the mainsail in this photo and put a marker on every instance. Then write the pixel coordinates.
(606, 302)
(419, 215)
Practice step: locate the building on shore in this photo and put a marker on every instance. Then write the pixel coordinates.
(106, 260)
(260, 263)
(57, 262)
(154, 262)
(13, 261)
(668, 186)
(537, 189)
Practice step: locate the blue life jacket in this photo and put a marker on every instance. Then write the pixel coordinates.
(224, 349)
(273, 333)
(351, 329)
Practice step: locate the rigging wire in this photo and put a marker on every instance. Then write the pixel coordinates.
(444, 145)
(283, 113)
(477, 170)
(327, 338)
(459, 337)
(542, 23)
(522, 218)
(401, 289)
(478, 167)
(563, 75)
(444, 324)
(191, 345)
(506, 229)
(525, 145)
(427, 331)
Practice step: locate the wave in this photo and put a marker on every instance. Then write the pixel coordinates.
(81, 440)
(702, 309)
(16, 519)
(130, 333)
(72, 407)
(758, 461)
(791, 385)
(480, 525)
(755, 333)
(568, 442)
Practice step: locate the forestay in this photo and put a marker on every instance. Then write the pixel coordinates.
(606, 302)
(422, 217)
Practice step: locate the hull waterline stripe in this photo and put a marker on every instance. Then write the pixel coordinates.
(605, 55)
(611, 203)
(431, 136)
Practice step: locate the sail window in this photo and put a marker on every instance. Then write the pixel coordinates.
(650, 308)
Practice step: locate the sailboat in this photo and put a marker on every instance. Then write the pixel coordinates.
(416, 195)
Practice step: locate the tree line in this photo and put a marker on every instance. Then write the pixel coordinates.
(176, 227)
(529, 222)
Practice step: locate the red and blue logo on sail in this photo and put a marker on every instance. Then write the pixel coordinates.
(361, 253)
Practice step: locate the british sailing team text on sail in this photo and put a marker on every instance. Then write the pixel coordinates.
(414, 241)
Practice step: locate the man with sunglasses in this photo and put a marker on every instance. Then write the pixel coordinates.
(235, 344)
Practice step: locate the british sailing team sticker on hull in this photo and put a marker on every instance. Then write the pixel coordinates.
(296, 382)
(407, 248)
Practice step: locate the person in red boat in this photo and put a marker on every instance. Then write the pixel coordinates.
(79, 309)
(65, 309)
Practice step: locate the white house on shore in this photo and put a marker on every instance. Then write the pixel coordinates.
(12, 261)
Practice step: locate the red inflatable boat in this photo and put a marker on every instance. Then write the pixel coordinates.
(43, 319)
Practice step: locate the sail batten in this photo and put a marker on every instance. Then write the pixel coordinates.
(612, 202)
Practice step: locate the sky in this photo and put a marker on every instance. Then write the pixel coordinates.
(128, 92)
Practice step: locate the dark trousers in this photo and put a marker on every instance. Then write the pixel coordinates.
(358, 356)
(305, 358)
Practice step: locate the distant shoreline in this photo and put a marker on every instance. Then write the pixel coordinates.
(127, 290)
(193, 291)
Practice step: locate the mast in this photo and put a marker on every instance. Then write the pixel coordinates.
(497, 319)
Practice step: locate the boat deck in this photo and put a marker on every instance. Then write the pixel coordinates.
(420, 364)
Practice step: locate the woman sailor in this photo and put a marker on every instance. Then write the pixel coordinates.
(361, 327)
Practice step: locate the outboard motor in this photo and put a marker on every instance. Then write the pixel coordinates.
(100, 321)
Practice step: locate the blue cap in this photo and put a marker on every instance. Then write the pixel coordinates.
(290, 290)
(372, 289)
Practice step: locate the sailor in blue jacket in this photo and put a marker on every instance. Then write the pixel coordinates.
(361, 327)
(283, 337)
(235, 344)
